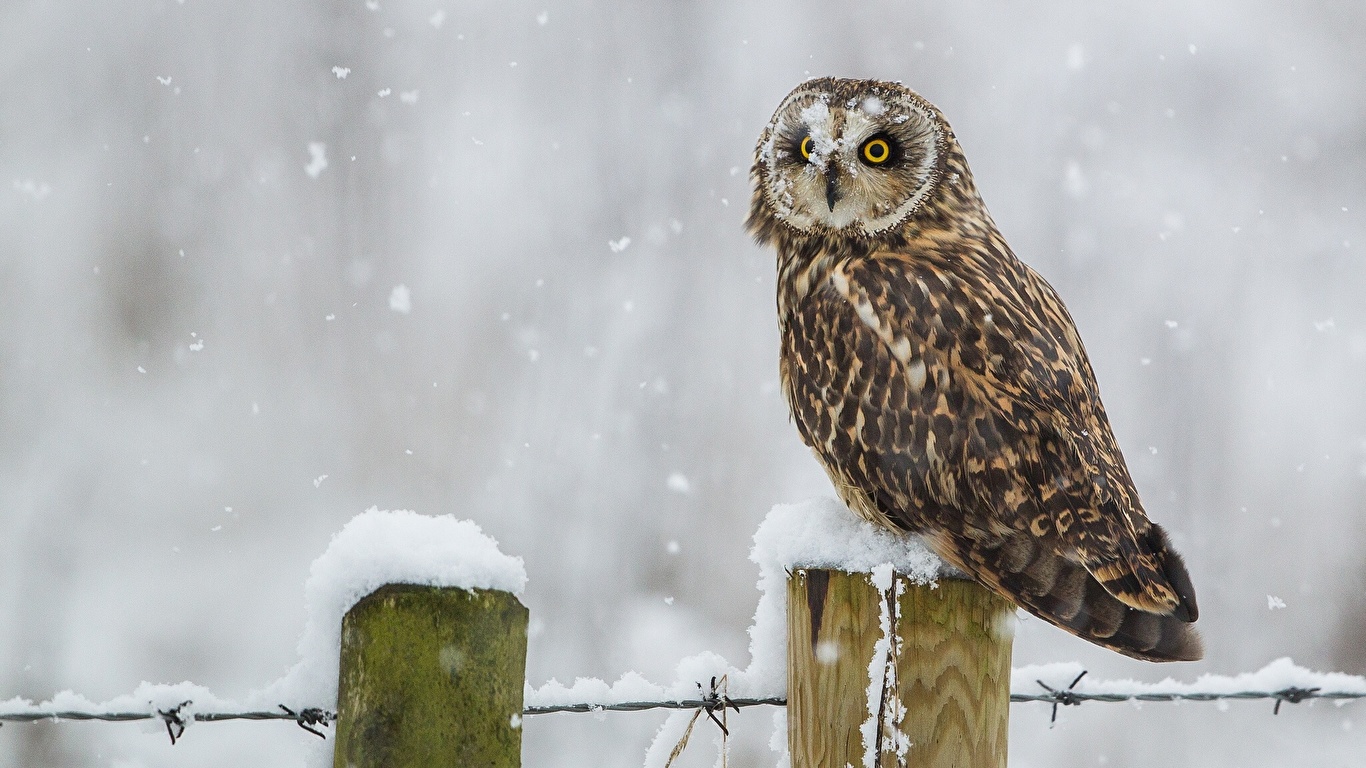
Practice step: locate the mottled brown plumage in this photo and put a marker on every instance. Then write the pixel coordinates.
(941, 381)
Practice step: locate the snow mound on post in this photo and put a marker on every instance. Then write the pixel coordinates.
(819, 533)
(374, 549)
(823, 533)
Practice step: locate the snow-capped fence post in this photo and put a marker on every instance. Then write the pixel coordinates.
(432, 677)
(883, 671)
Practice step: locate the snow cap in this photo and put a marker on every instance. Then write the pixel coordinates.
(376, 548)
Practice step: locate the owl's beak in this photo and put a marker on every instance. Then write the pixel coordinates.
(832, 190)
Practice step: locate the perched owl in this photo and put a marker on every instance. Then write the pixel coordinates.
(941, 381)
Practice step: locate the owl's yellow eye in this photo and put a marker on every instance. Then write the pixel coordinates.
(876, 151)
(805, 147)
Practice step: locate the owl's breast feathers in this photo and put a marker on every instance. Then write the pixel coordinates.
(943, 386)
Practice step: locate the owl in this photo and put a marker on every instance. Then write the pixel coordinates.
(941, 382)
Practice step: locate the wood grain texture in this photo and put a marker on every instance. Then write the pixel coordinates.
(431, 677)
(948, 697)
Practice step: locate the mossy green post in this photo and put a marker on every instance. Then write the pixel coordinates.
(431, 677)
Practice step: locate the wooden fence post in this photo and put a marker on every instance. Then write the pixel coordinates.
(945, 697)
(432, 677)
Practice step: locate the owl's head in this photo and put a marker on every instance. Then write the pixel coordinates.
(856, 157)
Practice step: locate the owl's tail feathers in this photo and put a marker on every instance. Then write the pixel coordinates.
(1148, 574)
(1065, 594)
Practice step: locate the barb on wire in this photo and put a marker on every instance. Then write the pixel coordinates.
(717, 699)
(1293, 695)
(1064, 697)
(713, 700)
(175, 724)
(307, 718)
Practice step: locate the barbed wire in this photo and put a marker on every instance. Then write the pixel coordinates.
(312, 718)
(176, 721)
(1056, 697)
(640, 706)
(1067, 697)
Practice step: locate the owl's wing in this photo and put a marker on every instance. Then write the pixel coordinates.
(972, 403)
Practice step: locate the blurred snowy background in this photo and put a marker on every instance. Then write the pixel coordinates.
(266, 264)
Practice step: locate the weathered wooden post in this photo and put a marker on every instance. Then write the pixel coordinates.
(943, 669)
(431, 677)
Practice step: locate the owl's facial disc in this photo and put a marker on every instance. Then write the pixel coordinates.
(849, 155)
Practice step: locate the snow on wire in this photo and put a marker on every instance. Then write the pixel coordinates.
(1281, 681)
(176, 720)
(1054, 696)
